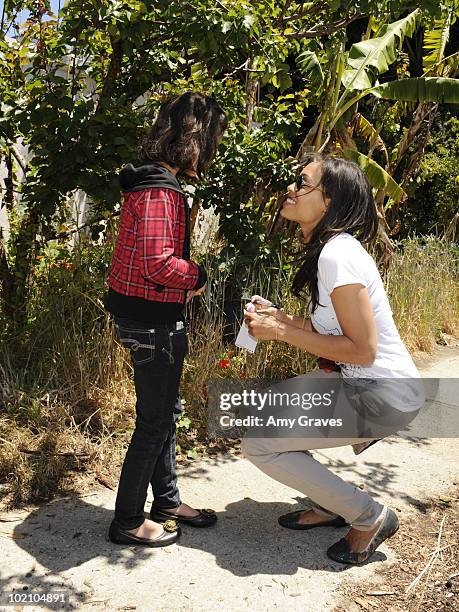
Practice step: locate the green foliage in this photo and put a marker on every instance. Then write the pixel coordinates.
(250, 161)
(377, 53)
(435, 41)
(428, 89)
(377, 176)
(310, 67)
(434, 192)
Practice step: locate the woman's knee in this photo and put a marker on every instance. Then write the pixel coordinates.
(256, 449)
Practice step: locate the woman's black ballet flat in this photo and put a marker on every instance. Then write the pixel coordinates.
(205, 518)
(341, 552)
(290, 521)
(121, 536)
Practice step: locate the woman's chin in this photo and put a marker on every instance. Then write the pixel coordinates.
(286, 213)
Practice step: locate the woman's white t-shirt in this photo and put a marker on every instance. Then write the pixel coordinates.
(344, 261)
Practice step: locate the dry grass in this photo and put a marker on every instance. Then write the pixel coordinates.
(423, 292)
(65, 396)
(425, 576)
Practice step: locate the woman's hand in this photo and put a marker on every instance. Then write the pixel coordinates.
(263, 324)
(260, 303)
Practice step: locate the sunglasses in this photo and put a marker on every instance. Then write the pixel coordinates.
(302, 183)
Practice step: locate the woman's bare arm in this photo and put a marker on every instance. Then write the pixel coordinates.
(355, 315)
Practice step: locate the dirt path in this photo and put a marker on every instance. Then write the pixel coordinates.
(248, 562)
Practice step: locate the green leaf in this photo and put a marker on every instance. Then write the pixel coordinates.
(377, 53)
(377, 176)
(192, 454)
(285, 82)
(428, 89)
(435, 41)
(310, 66)
(249, 20)
(184, 422)
(363, 127)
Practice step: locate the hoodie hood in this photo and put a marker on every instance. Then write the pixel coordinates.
(144, 177)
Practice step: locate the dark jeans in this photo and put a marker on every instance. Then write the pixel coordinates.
(157, 354)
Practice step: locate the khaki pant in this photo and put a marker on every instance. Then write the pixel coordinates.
(289, 461)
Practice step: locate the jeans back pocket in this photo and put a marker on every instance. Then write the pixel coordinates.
(140, 342)
(179, 342)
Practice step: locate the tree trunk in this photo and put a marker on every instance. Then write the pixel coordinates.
(194, 213)
(9, 182)
(6, 281)
(251, 92)
(308, 143)
(418, 154)
(113, 71)
(423, 109)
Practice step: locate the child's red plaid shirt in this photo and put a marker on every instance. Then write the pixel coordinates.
(148, 259)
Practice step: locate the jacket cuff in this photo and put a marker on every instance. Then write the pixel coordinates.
(202, 278)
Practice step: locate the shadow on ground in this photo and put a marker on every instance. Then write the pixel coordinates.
(246, 541)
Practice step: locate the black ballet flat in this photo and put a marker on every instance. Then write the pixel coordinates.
(341, 551)
(170, 535)
(290, 521)
(205, 518)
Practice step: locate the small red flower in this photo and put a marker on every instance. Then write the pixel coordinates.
(224, 363)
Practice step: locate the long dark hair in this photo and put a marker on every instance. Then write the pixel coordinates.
(186, 132)
(352, 209)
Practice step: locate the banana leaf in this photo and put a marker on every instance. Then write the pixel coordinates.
(367, 130)
(377, 176)
(435, 41)
(375, 55)
(310, 66)
(427, 89)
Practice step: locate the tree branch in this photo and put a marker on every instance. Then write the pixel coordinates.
(244, 67)
(61, 235)
(113, 71)
(304, 13)
(337, 25)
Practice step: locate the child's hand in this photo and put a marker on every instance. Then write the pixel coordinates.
(191, 294)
